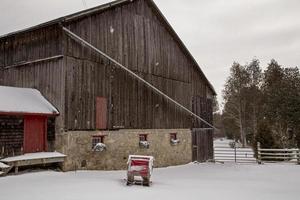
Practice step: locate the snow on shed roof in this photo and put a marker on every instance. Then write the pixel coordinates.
(25, 101)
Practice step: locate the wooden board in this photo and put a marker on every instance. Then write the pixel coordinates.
(202, 141)
(101, 113)
(35, 137)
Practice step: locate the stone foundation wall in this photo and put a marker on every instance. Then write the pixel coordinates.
(77, 145)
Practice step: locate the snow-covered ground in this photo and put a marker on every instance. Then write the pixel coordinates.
(193, 181)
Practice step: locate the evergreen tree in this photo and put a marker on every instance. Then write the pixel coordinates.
(263, 107)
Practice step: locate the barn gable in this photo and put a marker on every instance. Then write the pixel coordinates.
(49, 31)
(133, 32)
(134, 35)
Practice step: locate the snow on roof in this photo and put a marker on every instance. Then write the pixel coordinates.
(32, 156)
(24, 100)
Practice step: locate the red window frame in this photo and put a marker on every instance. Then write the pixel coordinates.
(143, 137)
(173, 136)
(97, 139)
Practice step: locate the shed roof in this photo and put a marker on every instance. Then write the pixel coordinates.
(24, 101)
(110, 5)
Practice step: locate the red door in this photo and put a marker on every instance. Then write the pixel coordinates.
(101, 113)
(35, 137)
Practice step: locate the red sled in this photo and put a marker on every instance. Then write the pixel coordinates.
(139, 166)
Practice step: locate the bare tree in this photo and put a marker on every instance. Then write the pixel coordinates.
(234, 97)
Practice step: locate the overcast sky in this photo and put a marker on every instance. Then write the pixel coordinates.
(217, 32)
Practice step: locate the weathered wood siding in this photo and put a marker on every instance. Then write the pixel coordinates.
(203, 107)
(48, 77)
(11, 135)
(1, 76)
(30, 46)
(85, 81)
(51, 129)
(135, 36)
(34, 60)
(202, 143)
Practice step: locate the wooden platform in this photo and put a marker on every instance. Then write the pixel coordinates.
(4, 169)
(3, 166)
(32, 159)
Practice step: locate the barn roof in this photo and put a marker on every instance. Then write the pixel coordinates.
(24, 101)
(110, 5)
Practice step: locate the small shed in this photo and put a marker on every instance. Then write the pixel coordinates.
(24, 114)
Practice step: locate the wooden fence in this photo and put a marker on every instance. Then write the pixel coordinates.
(277, 155)
(229, 151)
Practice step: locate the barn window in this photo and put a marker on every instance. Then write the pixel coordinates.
(96, 139)
(173, 139)
(98, 143)
(173, 136)
(143, 137)
(144, 144)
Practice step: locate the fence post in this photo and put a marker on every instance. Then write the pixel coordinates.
(234, 151)
(298, 156)
(258, 153)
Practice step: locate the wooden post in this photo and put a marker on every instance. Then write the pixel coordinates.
(258, 153)
(16, 167)
(2, 152)
(234, 151)
(298, 156)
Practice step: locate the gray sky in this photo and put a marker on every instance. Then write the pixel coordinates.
(217, 32)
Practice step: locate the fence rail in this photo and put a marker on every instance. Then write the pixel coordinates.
(277, 155)
(228, 151)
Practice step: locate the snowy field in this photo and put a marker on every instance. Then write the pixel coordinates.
(193, 181)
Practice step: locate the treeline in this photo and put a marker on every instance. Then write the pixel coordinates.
(262, 106)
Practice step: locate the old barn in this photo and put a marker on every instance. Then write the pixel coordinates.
(97, 100)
